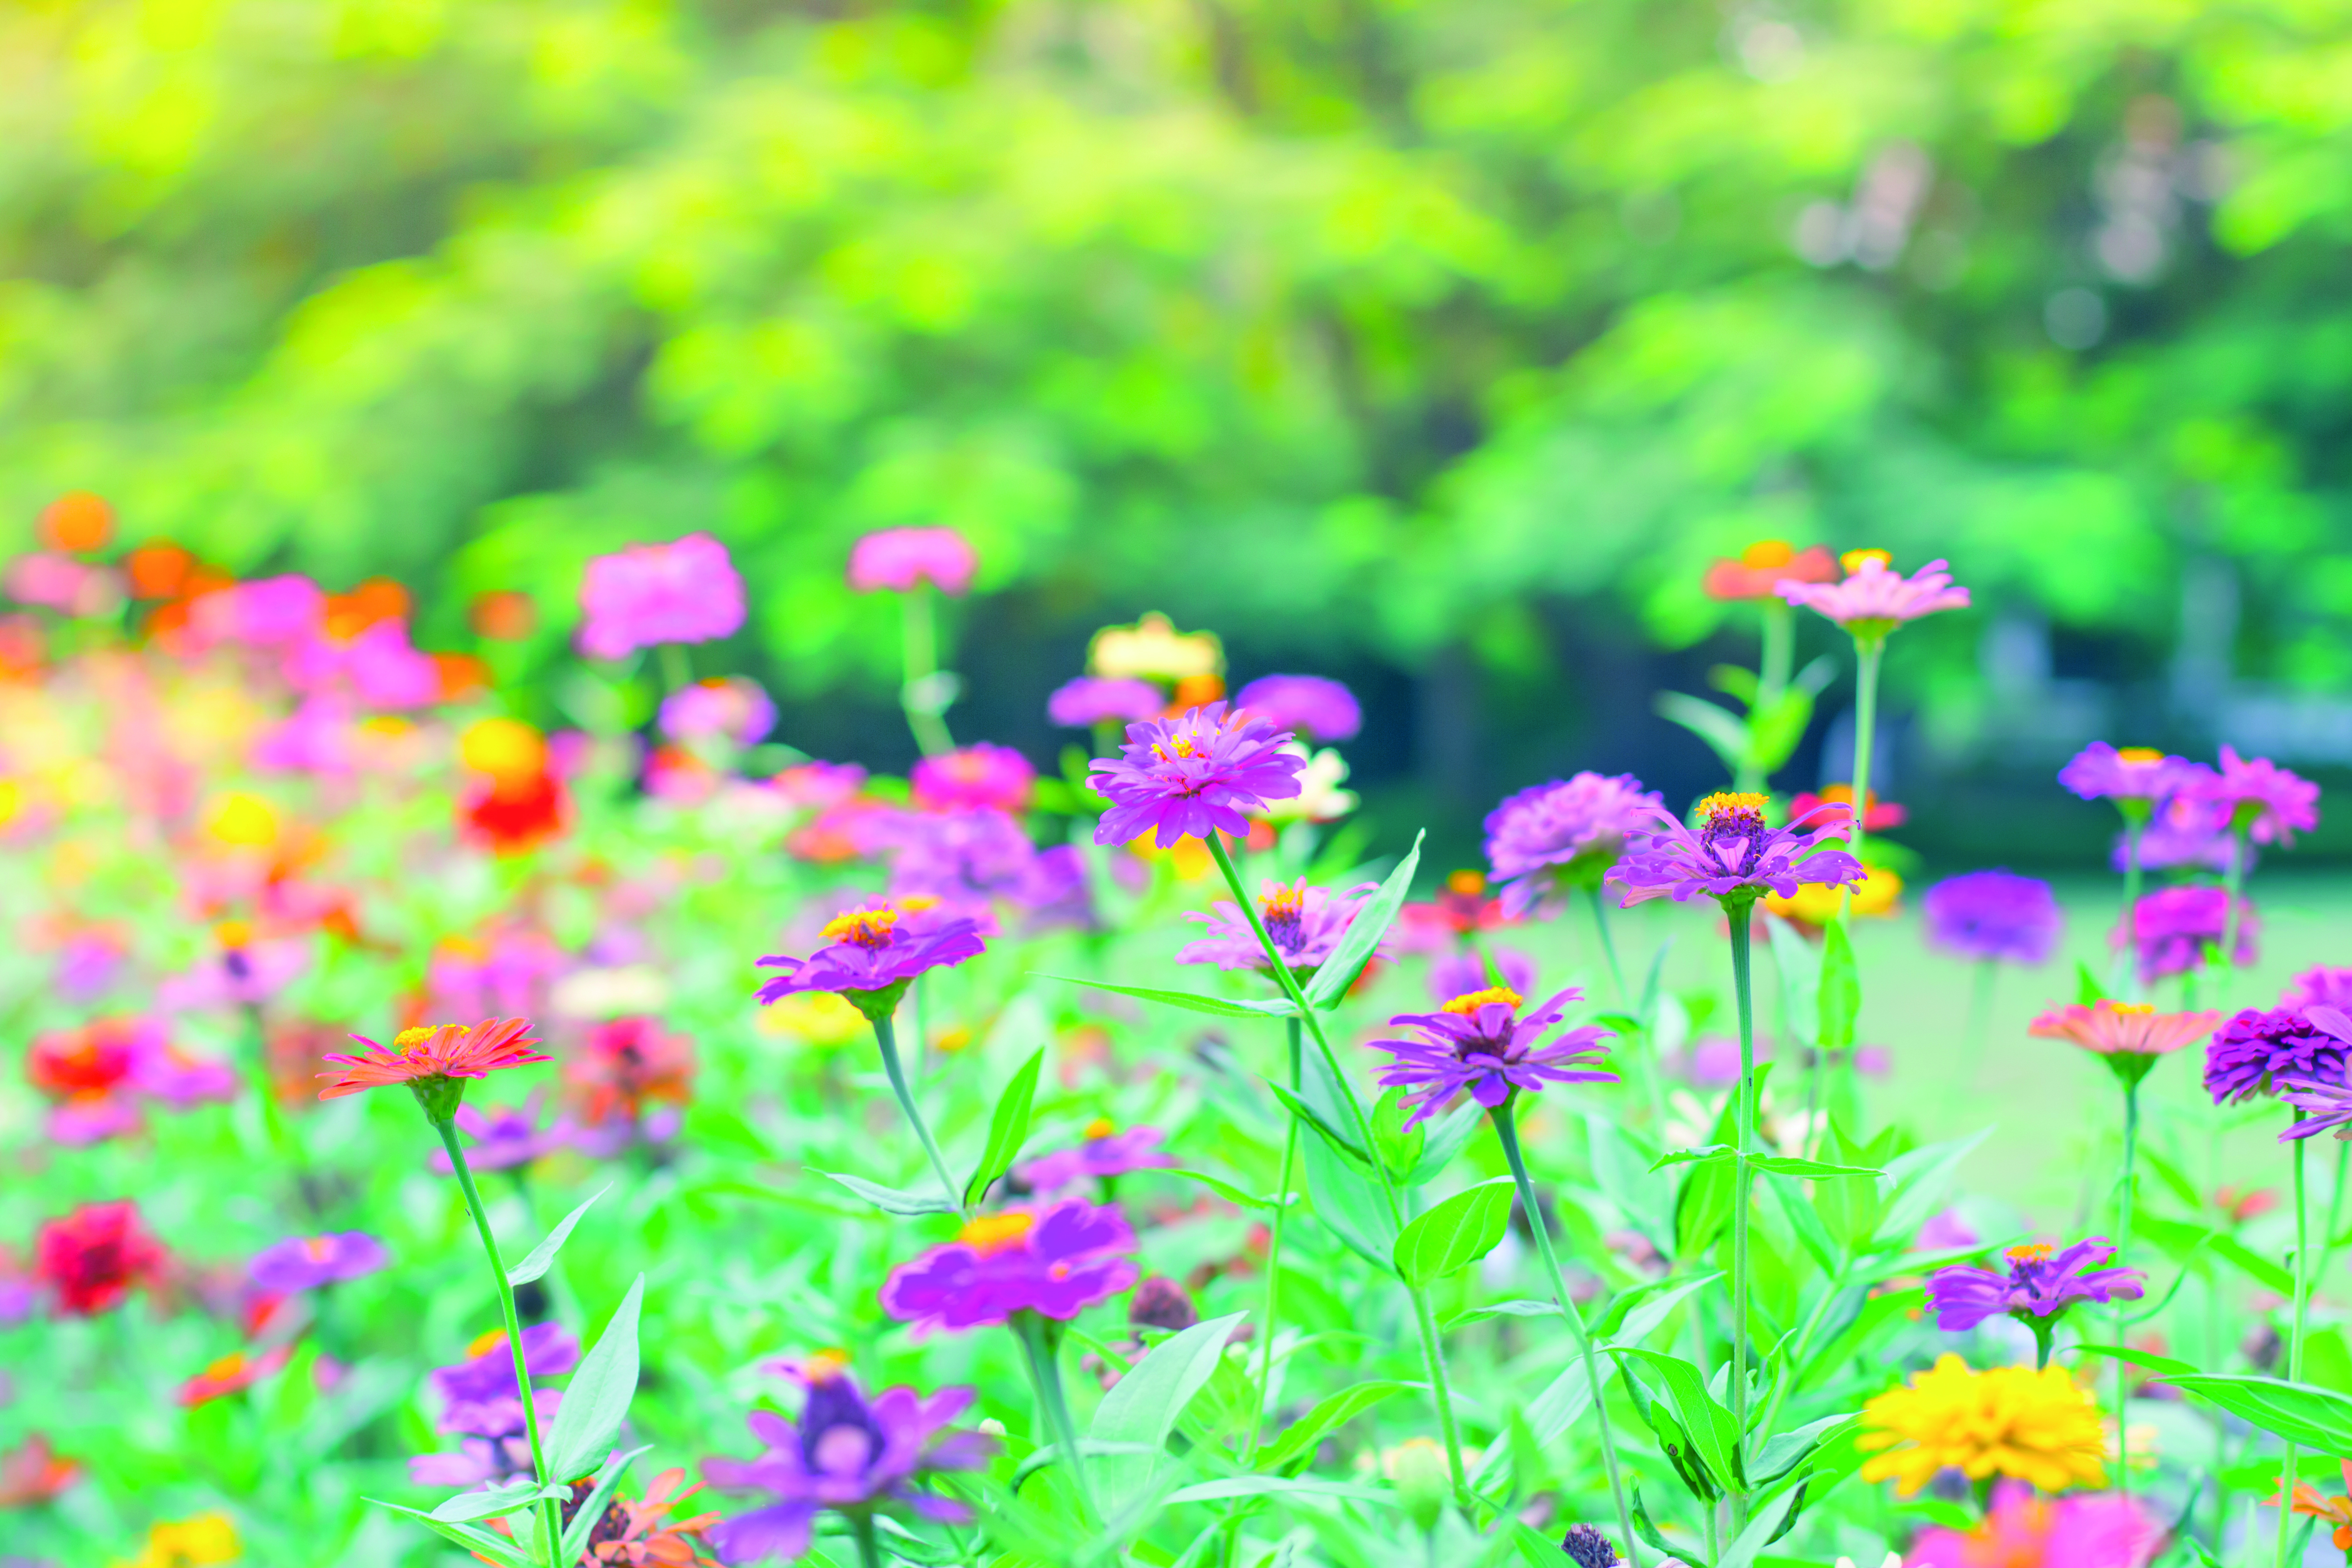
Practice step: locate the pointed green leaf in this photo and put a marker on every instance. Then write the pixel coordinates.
(1840, 996)
(499, 1549)
(891, 1200)
(1333, 977)
(1142, 1407)
(1455, 1234)
(585, 1518)
(472, 1507)
(596, 1400)
(1008, 1129)
(1301, 1438)
(1220, 1006)
(537, 1261)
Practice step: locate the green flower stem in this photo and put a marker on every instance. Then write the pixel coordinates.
(2123, 1249)
(1507, 1128)
(2133, 827)
(677, 673)
(1609, 949)
(870, 1545)
(1432, 1352)
(1274, 1251)
(2293, 1347)
(1741, 912)
(551, 1509)
(886, 1035)
(2334, 1214)
(1045, 1380)
(1868, 652)
(1832, 1289)
(920, 640)
(1654, 1071)
(2234, 881)
(1776, 654)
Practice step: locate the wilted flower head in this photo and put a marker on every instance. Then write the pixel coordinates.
(900, 558)
(2039, 1282)
(2174, 928)
(979, 778)
(95, 1255)
(1092, 699)
(2100, 1530)
(435, 1061)
(844, 1453)
(1189, 776)
(2260, 798)
(1732, 854)
(638, 1532)
(1764, 565)
(2037, 1427)
(1994, 915)
(1106, 1153)
(1585, 1545)
(1875, 599)
(876, 949)
(1479, 1042)
(1305, 924)
(307, 1262)
(1056, 1260)
(1306, 705)
(1564, 834)
(2258, 1052)
(2135, 778)
(730, 707)
(683, 591)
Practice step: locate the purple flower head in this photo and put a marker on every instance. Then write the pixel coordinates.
(1305, 923)
(2324, 986)
(1059, 890)
(961, 860)
(2260, 1052)
(1556, 835)
(477, 1395)
(847, 1453)
(1994, 915)
(979, 778)
(1946, 1227)
(241, 974)
(732, 708)
(1873, 598)
(2184, 832)
(479, 1462)
(1056, 1260)
(1732, 854)
(1105, 1153)
(1459, 974)
(877, 948)
(683, 591)
(1306, 705)
(1092, 699)
(2041, 1282)
(1479, 1042)
(2172, 930)
(1181, 777)
(307, 1262)
(899, 558)
(502, 1137)
(2260, 798)
(2136, 778)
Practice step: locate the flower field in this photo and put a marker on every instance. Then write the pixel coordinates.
(639, 1143)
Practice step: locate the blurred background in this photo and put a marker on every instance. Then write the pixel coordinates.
(1437, 345)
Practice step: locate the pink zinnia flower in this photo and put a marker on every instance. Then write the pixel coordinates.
(1732, 854)
(2127, 1036)
(876, 950)
(2094, 1530)
(683, 591)
(725, 708)
(977, 778)
(2260, 798)
(2173, 929)
(1763, 567)
(899, 558)
(1305, 924)
(94, 1256)
(1057, 1261)
(1556, 835)
(1875, 599)
(434, 1061)
(1092, 699)
(1187, 776)
(1307, 705)
(1106, 1153)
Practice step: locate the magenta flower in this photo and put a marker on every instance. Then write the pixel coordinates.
(2260, 798)
(2184, 832)
(1305, 924)
(1873, 598)
(1993, 915)
(876, 949)
(479, 1462)
(648, 594)
(241, 975)
(1556, 835)
(844, 1453)
(979, 778)
(732, 708)
(1056, 1260)
(2136, 778)
(1106, 1153)
(307, 1262)
(503, 1137)
(2260, 1052)
(478, 1397)
(2172, 930)
(1185, 776)
(2086, 1530)
(899, 558)
(1480, 1043)
(1459, 974)
(2041, 1282)
(1308, 706)
(1092, 699)
(1732, 855)
(961, 860)
(2324, 986)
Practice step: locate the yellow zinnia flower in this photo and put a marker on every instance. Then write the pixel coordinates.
(207, 1539)
(2037, 1427)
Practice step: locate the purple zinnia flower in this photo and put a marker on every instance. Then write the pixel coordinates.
(978, 777)
(1732, 854)
(1564, 834)
(2171, 930)
(1105, 1153)
(1480, 1043)
(2041, 1282)
(2261, 799)
(1873, 598)
(2258, 1052)
(2136, 778)
(307, 1262)
(477, 1395)
(844, 1453)
(1305, 923)
(2184, 832)
(1994, 915)
(1058, 1260)
(1181, 777)
(503, 1136)
(1306, 705)
(1092, 699)
(876, 950)
(899, 558)
(961, 860)
(1459, 974)
(2324, 986)
(683, 591)
(479, 1462)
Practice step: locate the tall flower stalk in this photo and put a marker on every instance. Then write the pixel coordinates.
(1293, 1038)
(917, 563)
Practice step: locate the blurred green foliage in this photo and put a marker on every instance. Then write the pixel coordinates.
(1381, 320)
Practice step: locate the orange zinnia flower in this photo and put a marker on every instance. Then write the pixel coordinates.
(432, 1059)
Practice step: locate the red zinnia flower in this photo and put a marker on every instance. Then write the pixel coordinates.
(94, 1255)
(628, 1062)
(431, 1058)
(34, 1472)
(230, 1373)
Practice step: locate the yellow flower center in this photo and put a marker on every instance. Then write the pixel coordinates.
(1282, 903)
(2132, 1009)
(1467, 884)
(825, 1365)
(1725, 803)
(316, 1246)
(1098, 1129)
(1767, 552)
(867, 928)
(2140, 755)
(994, 1233)
(916, 903)
(1854, 560)
(2030, 1252)
(1470, 1001)
(416, 1036)
(228, 1365)
(1169, 750)
(233, 933)
(484, 1343)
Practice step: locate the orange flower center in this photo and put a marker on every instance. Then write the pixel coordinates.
(1725, 803)
(865, 928)
(1282, 903)
(1467, 884)
(416, 1036)
(2140, 755)
(228, 1365)
(2030, 1252)
(1470, 1001)
(1854, 561)
(233, 933)
(484, 1343)
(993, 1233)
(316, 1246)
(824, 1366)
(2132, 1009)
(1098, 1129)
(1769, 552)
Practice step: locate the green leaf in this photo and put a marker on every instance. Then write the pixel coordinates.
(1719, 728)
(1348, 1204)
(1522, 1308)
(502, 1550)
(1223, 1008)
(596, 1400)
(892, 1200)
(1790, 1165)
(1400, 1149)
(1764, 1526)
(1143, 1405)
(1561, 1405)
(1301, 1438)
(2308, 1417)
(1913, 1185)
(1798, 965)
(1224, 1189)
(1447, 1135)
(591, 1508)
(1642, 1320)
(1455, 1234)
(1712, 1432)
(1339, 1141)
(2088, 992)
(1643, 1526)
(2271, 1277)
(538, 1260)
(1276, 1486)
(1335, 975)
(1008, 1129)
(473, 1507)
(1703, 1206)
(1785, 1452)
(1840, 989)
(1707, 1154)
(2152, 1363)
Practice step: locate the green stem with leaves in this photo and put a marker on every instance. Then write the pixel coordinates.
(2234, 881)
(1038, 1348)
(1273, 1250)
(2133, 826)
(1507, 1128)
(551, 1509)
(2294, 1344)
(918, 692)
(1867, 652)
(2123, 1249)
(869, 1544)
(1741, 912)
(1775, 657)
(887, 1036)
(1432, 1350)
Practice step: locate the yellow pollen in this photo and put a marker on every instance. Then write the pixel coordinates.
(233, 933)
(1723, 802)
(1769, 552)
(1282, 901)
(416, 1036)
(868, 927)
(2031, 1252)
(228, 1365)
(1467, 884)
(916, 903)
(1470, 1001)
(994, 1233)
(484, 1343)
(2140, 755)
(316, 1247)
(1098, 1129)
(823, 1366)
(2133, 1009)
(1169, 750)
(1854, 559)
